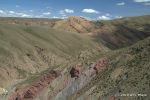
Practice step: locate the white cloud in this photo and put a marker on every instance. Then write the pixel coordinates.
(87, 18)
(103, 17)
(118, 17)
(141, 1)
(144, 2)
(2, 12)
(66, 11)
(21, 15)
(62, 17)
(90, 11)
(25, 15)
(46, 13)
(38, 16)
(55, 17)
(65, 17)
(107, 14)
(61, 12)
(120, 3)
(12, 12)
(17, 14)
(69, 11)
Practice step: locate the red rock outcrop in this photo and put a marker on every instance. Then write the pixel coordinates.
(100, 64)
(112, 98)
(29, 92)
(75, 71)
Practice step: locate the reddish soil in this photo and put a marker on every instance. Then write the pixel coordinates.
(112, 98)
(100, 64)
(29, 92)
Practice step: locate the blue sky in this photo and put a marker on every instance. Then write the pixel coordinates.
(91, 9)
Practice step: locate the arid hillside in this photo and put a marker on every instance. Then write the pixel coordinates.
(127, 72)
(112, 33)
(74, 58)
(27, 50)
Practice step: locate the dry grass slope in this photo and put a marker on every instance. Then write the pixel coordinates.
(126, 73)
(26, 50)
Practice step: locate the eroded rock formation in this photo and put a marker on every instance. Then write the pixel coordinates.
(84, 76)
(75, 71)
(100, 64)
(29, 92)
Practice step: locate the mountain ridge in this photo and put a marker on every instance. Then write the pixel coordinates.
(30, 49)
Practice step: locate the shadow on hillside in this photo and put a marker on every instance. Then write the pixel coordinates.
(124, 36)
